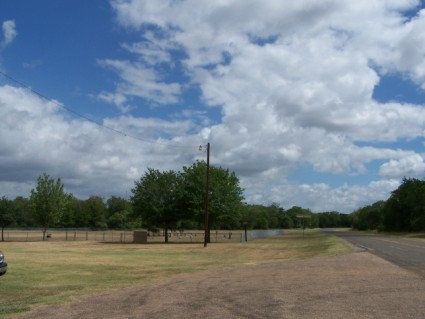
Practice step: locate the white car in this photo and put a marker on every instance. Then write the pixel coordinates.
(3, 264)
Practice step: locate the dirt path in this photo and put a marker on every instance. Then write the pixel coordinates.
(352, 285)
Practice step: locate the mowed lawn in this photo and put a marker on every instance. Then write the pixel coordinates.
(51, 272)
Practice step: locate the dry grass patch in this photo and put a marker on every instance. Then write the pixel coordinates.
(53, 272)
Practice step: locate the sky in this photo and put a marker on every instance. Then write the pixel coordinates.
(318, 104)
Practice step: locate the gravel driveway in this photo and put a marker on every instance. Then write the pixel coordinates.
(351, 285)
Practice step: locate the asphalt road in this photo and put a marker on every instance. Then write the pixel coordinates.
(406, 253)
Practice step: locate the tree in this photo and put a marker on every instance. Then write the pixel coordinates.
(255, 217)
(295, 211)
(225, 195)
(70, 213)
(156, 198)
(275, 213)
(405, 209)
(94, 212)
(226, 198)
(22, 212)
(334, 219)
(119, 214)
(116, 204)
(369, 217)
(48, 200)
(6, 214)
(286, 221)
(265, 217)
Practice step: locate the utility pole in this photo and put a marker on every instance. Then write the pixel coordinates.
(207, 187)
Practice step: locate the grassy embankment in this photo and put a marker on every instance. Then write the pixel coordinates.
(45, 273)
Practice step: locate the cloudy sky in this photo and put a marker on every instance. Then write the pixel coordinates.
(319, 104)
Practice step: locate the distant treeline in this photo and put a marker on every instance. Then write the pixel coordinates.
(404, 211)
(167, 200)
(275, 217)
(117, 213)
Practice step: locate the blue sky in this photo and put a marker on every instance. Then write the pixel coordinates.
(315, 104)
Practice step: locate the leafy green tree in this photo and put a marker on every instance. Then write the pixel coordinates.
(265, 217)
(156, 198)
(292, 213)
(334, 219)
(116, 204)
(405, 209)
(79, 214)
(295, 211)
(369, 217)
(6, 214)
(193, 191)
(314, 220)
(94, 212)
(22, 212)
(48, 201)
(255, 217)
(328, 219)
(120, 214)
(70, 213)
(286, 221)
(225, 195)
(275, 214)
(225, 199)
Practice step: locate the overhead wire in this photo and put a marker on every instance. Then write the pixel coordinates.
(77, 114)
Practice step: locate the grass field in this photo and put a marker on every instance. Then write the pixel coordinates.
(52, 272)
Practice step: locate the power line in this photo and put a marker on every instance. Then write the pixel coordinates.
(75, 113)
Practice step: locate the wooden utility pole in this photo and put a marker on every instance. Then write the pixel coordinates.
(207, 187)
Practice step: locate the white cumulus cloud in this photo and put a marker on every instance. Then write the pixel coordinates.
(38, 136)
(412, 165)
(294, 81)
(291, 83)
(9, 32)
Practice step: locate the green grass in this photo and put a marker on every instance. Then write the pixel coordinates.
(47, 273)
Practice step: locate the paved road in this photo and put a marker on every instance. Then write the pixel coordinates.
(406, 253)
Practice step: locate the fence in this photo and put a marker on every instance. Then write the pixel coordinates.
(128, 236)
(68, 235)
(19, 235)
(256, 234)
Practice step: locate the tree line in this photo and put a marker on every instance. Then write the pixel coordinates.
(171, 200)
(404, 211)
(167, 200)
